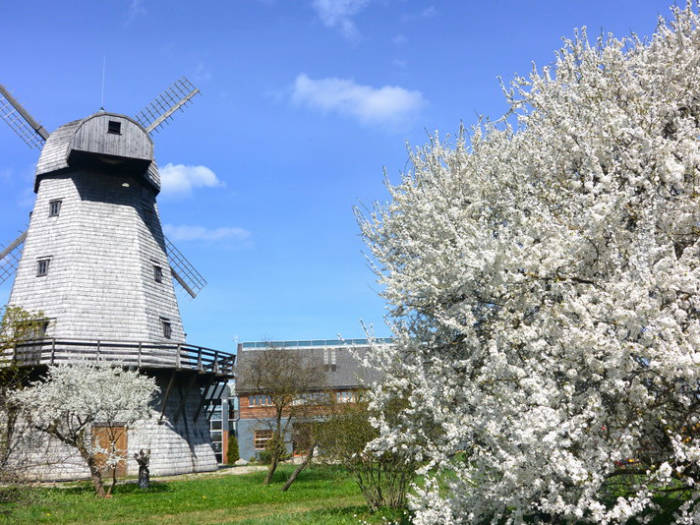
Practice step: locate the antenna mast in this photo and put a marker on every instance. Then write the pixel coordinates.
(102, 91)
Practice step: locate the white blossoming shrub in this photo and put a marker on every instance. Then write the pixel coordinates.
(544, 281)
(75, 398)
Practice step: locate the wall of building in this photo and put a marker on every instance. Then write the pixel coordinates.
(246, 435)
(102, 248)
(179, 444)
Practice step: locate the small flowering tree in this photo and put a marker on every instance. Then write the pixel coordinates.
(74, 399)
(16, 327)
(544, 280)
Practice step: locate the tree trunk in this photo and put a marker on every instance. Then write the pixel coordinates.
(114, 481)
(301, 467)
(274, 460)
(95, 473)
(277, 448)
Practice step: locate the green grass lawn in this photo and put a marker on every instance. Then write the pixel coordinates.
(319, 496)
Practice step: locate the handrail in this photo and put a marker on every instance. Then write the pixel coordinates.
(141, 354)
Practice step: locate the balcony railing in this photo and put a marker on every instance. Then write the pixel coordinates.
(126, 353)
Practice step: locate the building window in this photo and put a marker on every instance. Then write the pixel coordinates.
(55, 208)
(261, 437)
(157, 273)
(114, 127)
(345, 396)
(329, 359)
(167, 328)
(259, 400)
(42, 267)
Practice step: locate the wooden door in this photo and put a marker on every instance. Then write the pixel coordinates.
(104, 437)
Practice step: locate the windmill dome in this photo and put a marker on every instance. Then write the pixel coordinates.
(109, 141)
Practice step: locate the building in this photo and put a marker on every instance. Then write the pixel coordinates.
(94, 262)
(343, 376)
(222, 412)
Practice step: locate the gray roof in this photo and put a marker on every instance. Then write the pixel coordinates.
(348, 372)
(54, 154)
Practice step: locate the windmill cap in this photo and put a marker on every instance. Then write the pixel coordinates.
(102, 139)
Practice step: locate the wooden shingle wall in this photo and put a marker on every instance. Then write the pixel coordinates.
(178, 445)
(93, 136)
(90, 135)
(102, 249)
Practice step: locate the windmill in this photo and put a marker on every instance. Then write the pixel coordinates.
(95, 262)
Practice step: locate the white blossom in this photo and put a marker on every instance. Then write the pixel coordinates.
(544, 282)
(72, 399)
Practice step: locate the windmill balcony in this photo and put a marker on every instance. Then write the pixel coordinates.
(141, 355)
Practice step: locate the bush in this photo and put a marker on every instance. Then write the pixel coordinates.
(232, 454)
(265, 457)
(383, 477)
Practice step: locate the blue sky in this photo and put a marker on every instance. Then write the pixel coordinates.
(304, 104)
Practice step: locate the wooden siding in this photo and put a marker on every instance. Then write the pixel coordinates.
(179, 444)
(132, 142)
(54, 155)
(103, 246)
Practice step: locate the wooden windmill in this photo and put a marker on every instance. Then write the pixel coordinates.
(94, 261)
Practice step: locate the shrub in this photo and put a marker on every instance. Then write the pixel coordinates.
(232, 454)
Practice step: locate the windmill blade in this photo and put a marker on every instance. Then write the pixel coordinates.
(183, 272)
(9, 258)
(21, 122)
(164, 105)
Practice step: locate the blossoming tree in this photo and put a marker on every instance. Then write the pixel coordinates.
(544, 279)
(74, 399)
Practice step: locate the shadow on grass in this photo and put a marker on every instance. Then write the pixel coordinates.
(337, 516)
(311, 474)
(126, 488)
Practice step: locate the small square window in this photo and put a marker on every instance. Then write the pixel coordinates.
(260, 438)
(114, 127)
(55, 208)
(158, 274)
(167, 328)
(42, 267)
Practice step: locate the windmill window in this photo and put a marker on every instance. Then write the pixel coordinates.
(167, 328)
(42, 267)
(114, 127)
(158, 273)
(55, 208)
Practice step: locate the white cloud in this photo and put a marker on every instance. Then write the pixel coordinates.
(339, 13)
(200, 233)
(428, 12)
(179, 179)
(202, 73)
(399, 40)
(387, 104)
(136, 9)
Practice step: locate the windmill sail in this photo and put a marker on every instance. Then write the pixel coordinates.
(183, 272)
(21, 122)
(9, 258)
(164, 105)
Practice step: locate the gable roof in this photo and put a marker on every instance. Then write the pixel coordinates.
(348, 372)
